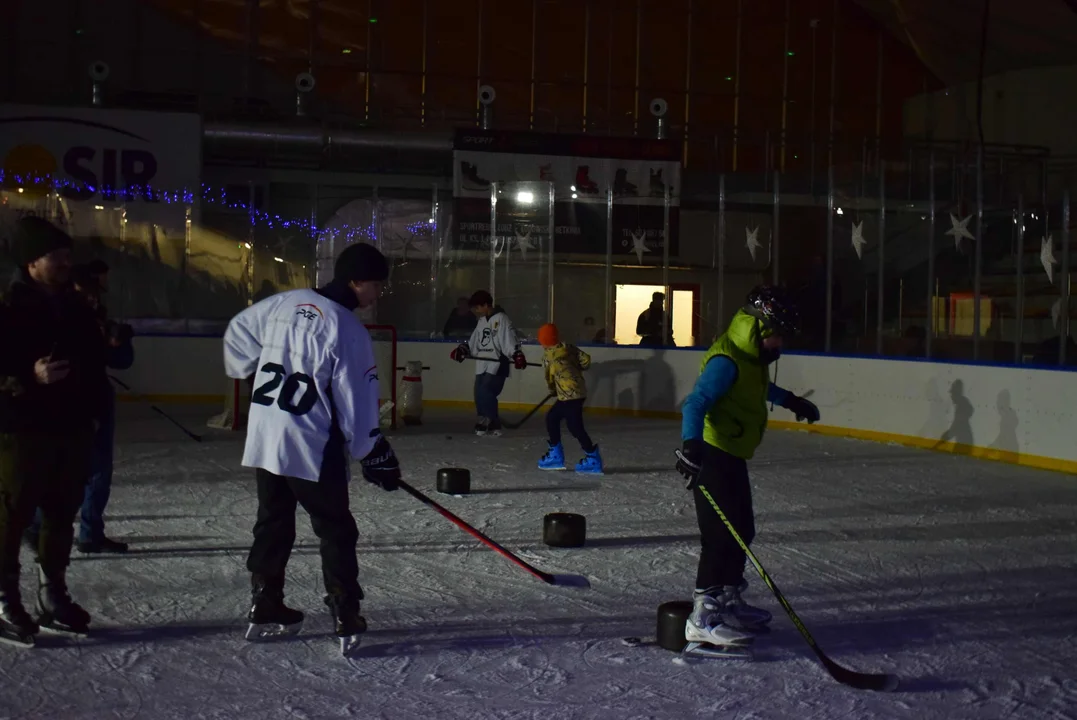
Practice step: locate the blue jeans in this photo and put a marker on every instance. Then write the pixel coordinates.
(98, 486)
(487, 388)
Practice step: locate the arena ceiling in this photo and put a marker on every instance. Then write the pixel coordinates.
(946, 34)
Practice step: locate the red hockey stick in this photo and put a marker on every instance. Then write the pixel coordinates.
(576, 581)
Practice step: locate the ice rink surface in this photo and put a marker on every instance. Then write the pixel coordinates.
(959, 575)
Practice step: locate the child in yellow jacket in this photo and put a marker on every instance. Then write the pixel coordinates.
(563, 366)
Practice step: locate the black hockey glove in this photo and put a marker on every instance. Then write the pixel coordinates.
(689, 460)
(119, 333)
(460, 353)
(381, 467)
(519, 361)
(803, 409)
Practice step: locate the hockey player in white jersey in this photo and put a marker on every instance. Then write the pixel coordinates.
(314, 403)
(494, 346)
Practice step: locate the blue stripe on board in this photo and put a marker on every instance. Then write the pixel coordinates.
(796, 353)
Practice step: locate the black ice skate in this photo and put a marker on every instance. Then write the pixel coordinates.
(104, 545)
(56, 610)
(16, 626)
(621, 186)
(485, 426)
(348, 624)
(584, 183)
(269, 617)
(469, 178)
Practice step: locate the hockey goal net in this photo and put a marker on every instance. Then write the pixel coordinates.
(237, 397)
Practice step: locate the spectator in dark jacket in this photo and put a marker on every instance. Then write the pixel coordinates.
(462, 321)
(650, 321)
(91, 283)
(52, 366)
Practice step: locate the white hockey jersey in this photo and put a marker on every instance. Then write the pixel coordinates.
(314, 361)
(493, 338)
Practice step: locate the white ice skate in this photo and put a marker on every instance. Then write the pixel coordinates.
(735, 612)
(708, 635)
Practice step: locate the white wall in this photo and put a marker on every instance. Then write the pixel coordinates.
(1010, 414)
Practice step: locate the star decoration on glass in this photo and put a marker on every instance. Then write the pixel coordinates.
(407, 242)
(639, 244)
(959, 230)
(523, 242)
(280, 247)
(752, 241)
(858, 239)
(1047, 257)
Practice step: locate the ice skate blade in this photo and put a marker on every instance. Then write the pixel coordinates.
(64, 631)
(706, 650)
(699, 638)
(19, 641)
(553, 468)
(269, 631)
(349, 644)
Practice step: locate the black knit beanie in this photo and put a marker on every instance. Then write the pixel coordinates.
(35, 238)
(360, 262)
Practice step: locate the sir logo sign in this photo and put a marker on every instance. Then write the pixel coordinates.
(95, 153)
(86, 171)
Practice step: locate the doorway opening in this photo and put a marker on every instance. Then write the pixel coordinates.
(629, 301)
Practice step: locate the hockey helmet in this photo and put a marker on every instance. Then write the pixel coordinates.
(774, 307)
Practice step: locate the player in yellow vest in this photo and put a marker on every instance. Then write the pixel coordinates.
(723, 421)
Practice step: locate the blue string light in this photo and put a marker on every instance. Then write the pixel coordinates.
(207, 193)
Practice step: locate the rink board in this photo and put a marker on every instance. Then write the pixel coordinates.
(1017, 415)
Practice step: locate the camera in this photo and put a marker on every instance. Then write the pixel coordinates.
(304, 82)
(99, 71)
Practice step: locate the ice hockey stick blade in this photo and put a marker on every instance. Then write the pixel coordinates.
(880, 682)
(576, 581)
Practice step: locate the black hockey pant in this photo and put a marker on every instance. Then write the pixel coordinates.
(721, 560)
(274, 532)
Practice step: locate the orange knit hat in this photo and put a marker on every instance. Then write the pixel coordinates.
(547, 335)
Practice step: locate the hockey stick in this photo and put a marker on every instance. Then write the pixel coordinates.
(883, 682)
(472, 357)
(518, 425)
(159, 411)
(577, 581)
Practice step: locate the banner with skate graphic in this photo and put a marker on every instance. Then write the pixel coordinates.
(641, 172)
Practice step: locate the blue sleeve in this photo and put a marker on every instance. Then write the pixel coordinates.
(777, 395)
(714, 382)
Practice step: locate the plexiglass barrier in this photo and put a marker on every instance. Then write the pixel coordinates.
(942, 256)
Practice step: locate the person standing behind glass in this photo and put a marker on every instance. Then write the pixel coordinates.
(462, 321)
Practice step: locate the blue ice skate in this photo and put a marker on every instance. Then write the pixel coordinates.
(554, 459)
(591, 463)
